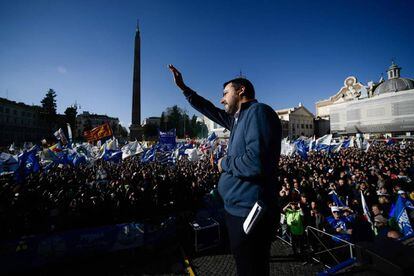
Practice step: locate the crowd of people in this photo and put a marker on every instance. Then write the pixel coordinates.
(106, 193)
(324, 192)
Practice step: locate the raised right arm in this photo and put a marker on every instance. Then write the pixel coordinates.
(202, 105)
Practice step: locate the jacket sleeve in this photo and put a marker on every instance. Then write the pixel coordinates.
(261, 136)
(208, 109)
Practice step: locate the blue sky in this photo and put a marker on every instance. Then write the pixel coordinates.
(292, 51)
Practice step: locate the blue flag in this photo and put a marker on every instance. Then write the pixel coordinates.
(27, 163)
(149, 155)
(212, 136)
(166, 158)
(112, 155)
(401, 216)
(346, 144)
(302, 148)
(337, 200)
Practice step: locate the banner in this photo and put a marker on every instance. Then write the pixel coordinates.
(98, 133)
(167, 138)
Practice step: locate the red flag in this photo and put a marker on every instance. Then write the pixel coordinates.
(98, 133)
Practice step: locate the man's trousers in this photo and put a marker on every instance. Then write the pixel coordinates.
(251, 252)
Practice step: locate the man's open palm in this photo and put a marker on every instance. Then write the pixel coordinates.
(178, 78)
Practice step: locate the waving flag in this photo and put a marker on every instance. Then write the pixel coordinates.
(149, 155)
(324, 142)
(401, 216)
(346, 143)
(166, 158)
(27, 163)
(60, 135)
(302, 148)
(8, 162)
(131, 149)
(69, 132)
(192, 155)
(365, 209)
(112, 155)
(312, 143)
(98, 133)
(336, 199)
(212, 136)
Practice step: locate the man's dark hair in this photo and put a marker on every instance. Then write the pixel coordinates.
(239, 82)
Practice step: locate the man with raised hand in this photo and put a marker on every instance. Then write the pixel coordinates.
(248, 170)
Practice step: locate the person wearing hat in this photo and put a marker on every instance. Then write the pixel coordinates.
(338, 225)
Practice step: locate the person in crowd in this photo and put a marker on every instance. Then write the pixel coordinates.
(295, 223)
(381, 226)
(338, 225)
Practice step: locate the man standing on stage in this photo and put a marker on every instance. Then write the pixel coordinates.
(248, 170)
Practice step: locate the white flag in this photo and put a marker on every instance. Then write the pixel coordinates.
(69, 132)
(365, 208)
(324, 140)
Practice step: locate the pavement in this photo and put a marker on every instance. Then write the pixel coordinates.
(170, 259)
(282, 262)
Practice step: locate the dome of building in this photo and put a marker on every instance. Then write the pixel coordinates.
(394, 85)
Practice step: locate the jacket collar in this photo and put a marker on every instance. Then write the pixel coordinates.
(244, 106)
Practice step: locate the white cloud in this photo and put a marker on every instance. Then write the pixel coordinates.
(62, 69)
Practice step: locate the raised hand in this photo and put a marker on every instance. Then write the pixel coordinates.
(178, 78)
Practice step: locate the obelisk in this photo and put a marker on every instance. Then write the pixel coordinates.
(135, 128)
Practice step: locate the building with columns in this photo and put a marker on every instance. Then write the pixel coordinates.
(386, 107)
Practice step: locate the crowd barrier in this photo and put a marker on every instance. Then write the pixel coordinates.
(322, 247)
(341, 256)
(329, 249)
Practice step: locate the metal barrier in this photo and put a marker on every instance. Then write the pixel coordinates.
(329, 249)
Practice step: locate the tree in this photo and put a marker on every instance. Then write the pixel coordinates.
(175, 117)
(70, 114)
(49, 102)
(150, 132)
(123, 132)
(163, 122)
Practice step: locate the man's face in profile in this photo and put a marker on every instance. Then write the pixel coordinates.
(230, 99)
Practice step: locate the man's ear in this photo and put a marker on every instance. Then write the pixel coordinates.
(242, 90)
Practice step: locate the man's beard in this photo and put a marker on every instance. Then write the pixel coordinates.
(229, 109)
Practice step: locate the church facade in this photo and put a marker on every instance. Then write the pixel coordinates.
(386, 107)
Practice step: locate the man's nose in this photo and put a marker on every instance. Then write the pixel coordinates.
(222, 100)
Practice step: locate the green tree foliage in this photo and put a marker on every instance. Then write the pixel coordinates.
(123, 132)
(70, 114)
(150, 132)
(49, 102)
(176, 117)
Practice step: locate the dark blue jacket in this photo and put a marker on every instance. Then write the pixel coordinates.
(252, 156)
